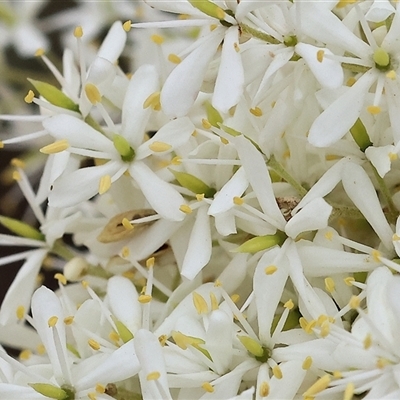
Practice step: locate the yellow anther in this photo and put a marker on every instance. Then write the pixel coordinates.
(16, 176)
(223, 140)
(95, 345)
(310, 326)
(351, 81)
(214, 301)
(376, 255)
(337, 375)
(329, 235)
(183, 16)
(52, 321)
(39, 52)
(69, 320)
(85, 284)
(100, 388)
(236, 47)
(41, 349)
(349, 281)
(17, 163)
(78, 32)
(29, 97)
(185, 209)
(127, 224)
(235, 297)
(213, 27)
(329, 285)
(349, 391)
(303, 323)
(104, 184)
(271, 269)
(176, 160)
(395, 237)
(264, 389)
(200, 197)
(93, 94)
(195, 133)
(391, 75)
(320, 55)
(207, 387)
(25, 355)
(125, 252)
(114, 337)
(367, 341)
(92, 396)
(277, 372)
(200, 303)
(159, 147)
(175, 59)
(206, 123)
(56, 147)
(256, 111)
(61, 278)
(157, 39)
(153, 376)
(163, 339)
(20, 312)
(145, 298)
(354, 302)
(393, 156)
(152, 100)
(307, 363)
(382, 362)
(319, 386)
(127, 25)
(344, 3)
(238, 201)
(332, 157)
(1, 145)
(150, 262)
(374, 110)
(325, 329)
(220, 13)
(289, 304)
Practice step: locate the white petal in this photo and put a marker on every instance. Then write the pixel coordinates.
(124, 304)
(362, 193)
(199, 249)
(175, 133)
(17, 392)
(80, 185)
(329, 73)
(20, 291)
(268, 290)
(152, 186)
(341, 115)
(225, 223)
(182, 86)
(151, 359)
(175, 6)
(78, 133)
(258, 176)
(313, 216)
(114, 43)
(134, 117)
(45, 304)
(379, 11)
(380, 158)
(223, 200)
(229, 84)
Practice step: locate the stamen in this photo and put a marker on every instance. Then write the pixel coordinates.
(214, 302)
(200, 303)
(289, 304)
(17, 163)
(78, 32)
(152, 100)
(206, 124)
(105, 184)
(69, 320)
(61, 278)
(307, 363)
(39, 52)
(367, 341)
(391, 75)
(277, 372)
(100, 388)
(238, 201)
(153, 376)
(157, 39)
(94, 344)
(320, 55)
(185, 209)
(126, 224)
(150, 262)
(374, 110)
(264, 389)
(20, 312)
(175, 59)
(127, 25)
(29, 97)
(207, 387)
(92, 93)
(256, 111)
(25, 355)
(349, 391)
(144, 298)
(329, 285)
(52, 321)
(56, 147)
(271, 269)
(159, 147)
(354, 302)
(320, 385)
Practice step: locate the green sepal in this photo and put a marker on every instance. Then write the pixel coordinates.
(259, 243)
(50, 391)
(213, 116)
(21, 228)
(194, 184)
(360, 135)
(73, 350)
(125, 334)
(54, 96)
(124, 148)
(209, 8)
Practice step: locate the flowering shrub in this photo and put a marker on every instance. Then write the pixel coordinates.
(218, 198)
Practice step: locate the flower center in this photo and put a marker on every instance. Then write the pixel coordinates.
(290, 40)
(382, 59)
(124, 149)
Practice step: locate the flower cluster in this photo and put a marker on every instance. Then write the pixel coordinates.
(218, 198)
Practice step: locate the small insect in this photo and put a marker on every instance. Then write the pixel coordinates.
(121, 226)
(286, 204)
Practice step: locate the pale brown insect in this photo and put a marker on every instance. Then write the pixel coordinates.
(286, 204)
(115, 230)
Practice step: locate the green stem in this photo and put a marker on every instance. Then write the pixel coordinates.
(284, 174)
(258, 34)
(61, 250)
